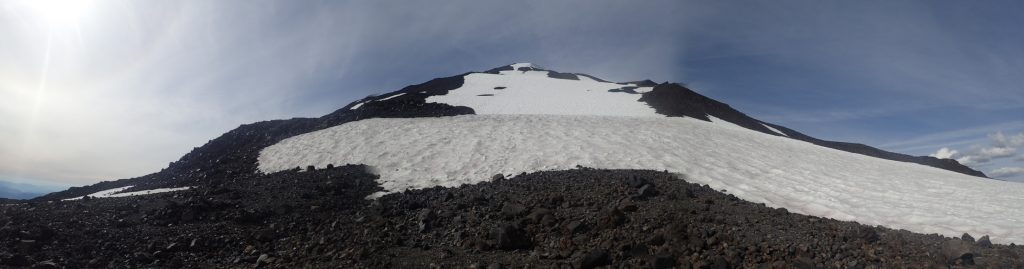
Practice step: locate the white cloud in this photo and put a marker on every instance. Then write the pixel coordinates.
(1003, 146)
(1012, 141)
(944, 153)
(998, 152)
(1007, 172)
(985, 155)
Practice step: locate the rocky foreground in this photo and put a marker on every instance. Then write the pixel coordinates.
(582, 218)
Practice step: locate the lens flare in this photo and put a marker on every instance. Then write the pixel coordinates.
(58, 12)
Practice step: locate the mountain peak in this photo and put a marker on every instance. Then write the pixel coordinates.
(522, 65)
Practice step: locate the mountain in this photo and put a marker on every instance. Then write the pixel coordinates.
(11, 190)
(235, 153)
(521, 166)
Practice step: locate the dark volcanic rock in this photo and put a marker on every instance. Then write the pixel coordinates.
(984, 242)
(596, 258)
(967, 237)
(570, 76)
(509, 237)
(511, 210)
(331, 224)
(679, 101)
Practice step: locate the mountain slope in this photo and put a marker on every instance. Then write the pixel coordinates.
(677, 100)
(578, 218)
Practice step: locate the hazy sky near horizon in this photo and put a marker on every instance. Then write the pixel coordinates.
(95, 90)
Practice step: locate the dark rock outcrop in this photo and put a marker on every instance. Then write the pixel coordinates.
(676, 100)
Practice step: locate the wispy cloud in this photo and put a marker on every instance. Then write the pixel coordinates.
(954, 137)
(984, 155)
(134, 85)
(137, 84)
(1008, 172)
(1007, 141)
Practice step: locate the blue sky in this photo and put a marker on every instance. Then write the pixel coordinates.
(100, 90)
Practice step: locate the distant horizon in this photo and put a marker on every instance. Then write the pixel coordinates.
(101, 90)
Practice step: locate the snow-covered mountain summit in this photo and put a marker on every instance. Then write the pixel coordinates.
(524, 88)
(529, 90)
(516, 89)
(523, 118)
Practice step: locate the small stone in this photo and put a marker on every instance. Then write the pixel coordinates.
(264, 259)
(495, 266)
(646, 191)
(954, 251)
(573, 227)
(497, 177)
(967, 259)
(611, 218)
(538, 214)
(46, 265)
(663, 262)
(596, 258)
(719, 262)
(509, 237)
(636, 182)
(656, 240)
(28, 246)
(548, 220)
(984, 242)
(15, 260)
(172, 247)
(627, 206)
(967, 237)
(510, 210)
(249, 249)
(867, 234)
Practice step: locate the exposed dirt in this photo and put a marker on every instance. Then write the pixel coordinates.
(581, 218)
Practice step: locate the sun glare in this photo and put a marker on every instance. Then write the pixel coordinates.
(58, 12)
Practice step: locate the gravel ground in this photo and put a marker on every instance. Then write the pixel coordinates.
(580, 218)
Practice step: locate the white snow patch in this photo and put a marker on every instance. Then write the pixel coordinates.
(117, 192)
(643, 90)
(356, 106)
(774, 130)
(777, 171)
(516, 66)
(533, 92)
(393, 96)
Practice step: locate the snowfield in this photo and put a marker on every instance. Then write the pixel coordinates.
(533, 92)
(117, 192)
(778, 171)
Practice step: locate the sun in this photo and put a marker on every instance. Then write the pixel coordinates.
(58, 12)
